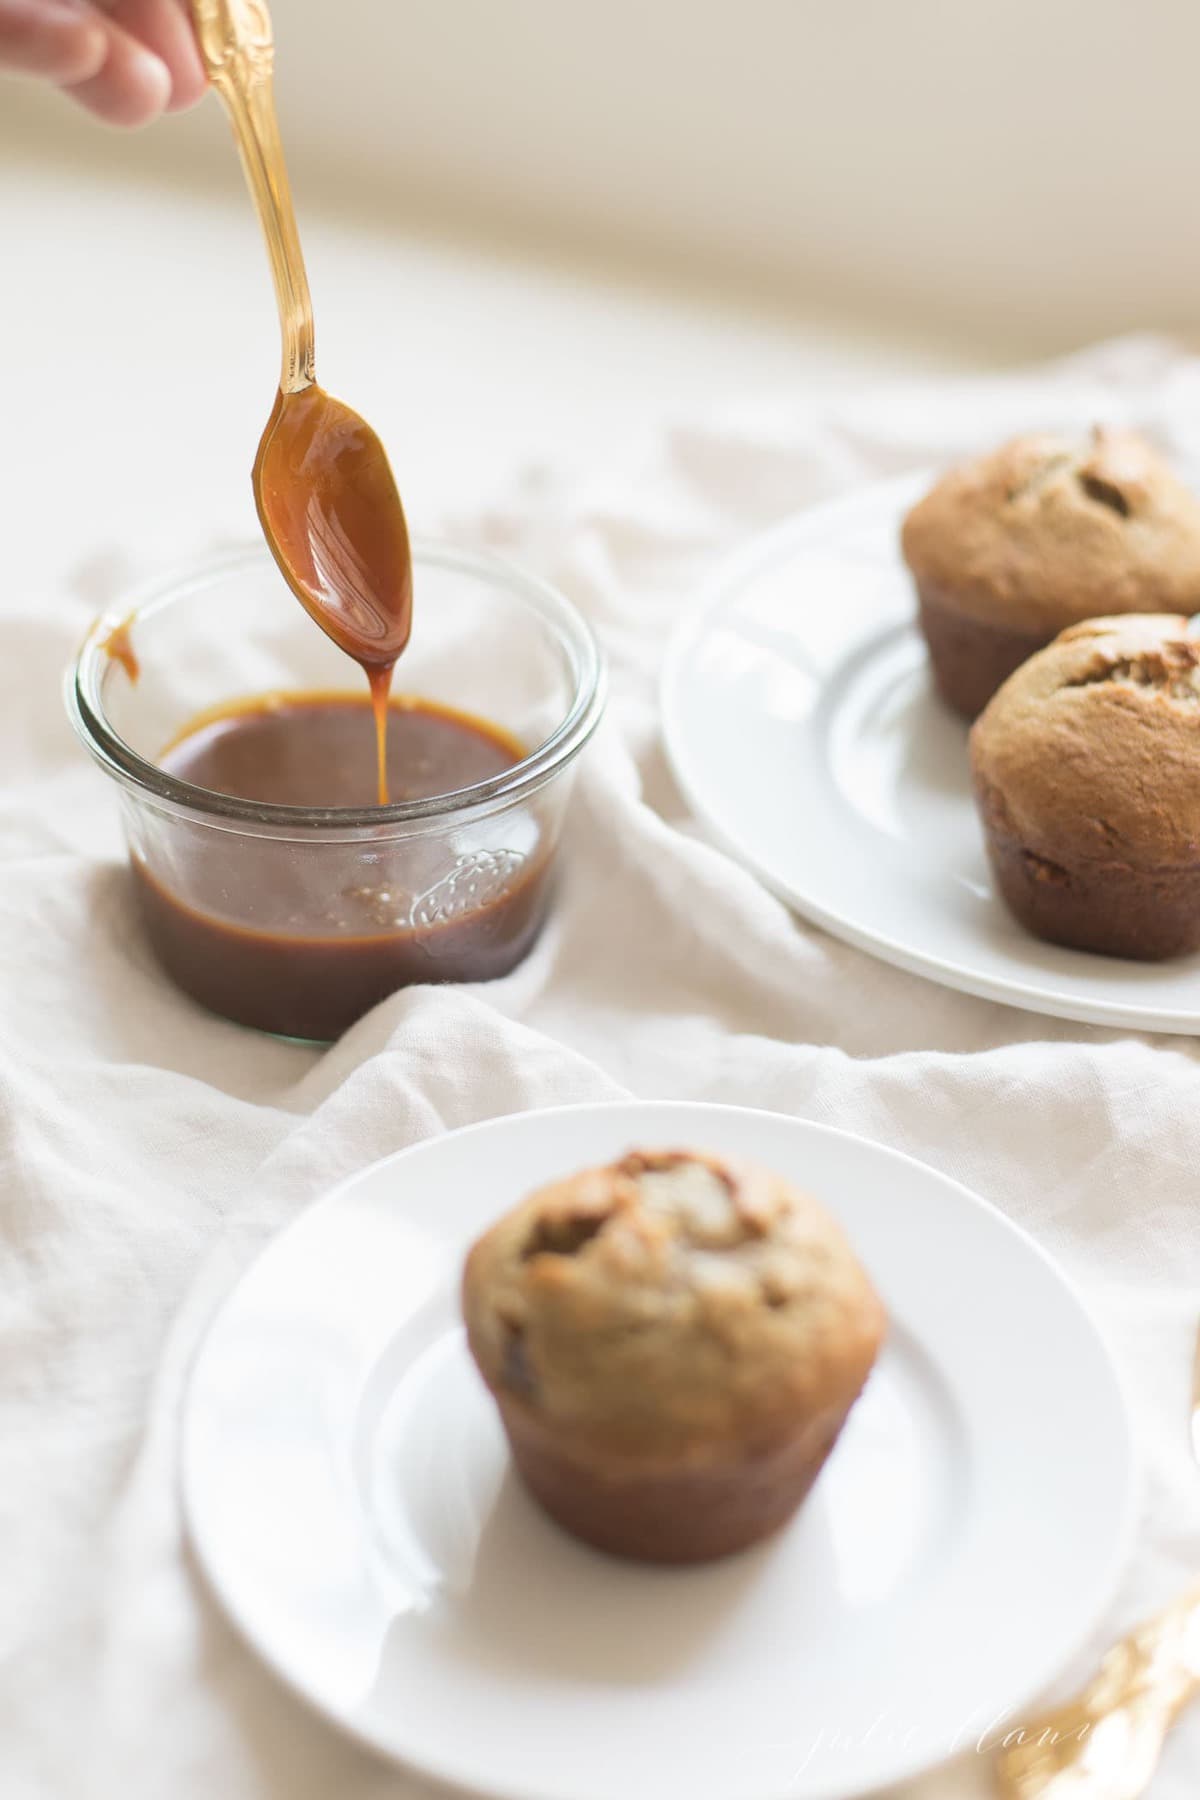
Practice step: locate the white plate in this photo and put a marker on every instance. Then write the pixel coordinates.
(349, 1494)
(802, 726)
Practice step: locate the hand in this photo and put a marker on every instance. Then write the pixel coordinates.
(125, 60)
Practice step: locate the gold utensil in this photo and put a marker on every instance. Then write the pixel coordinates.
(323, 486)
(238, 47)
(1106, 1743)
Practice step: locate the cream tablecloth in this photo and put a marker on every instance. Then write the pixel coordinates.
(149, 1149)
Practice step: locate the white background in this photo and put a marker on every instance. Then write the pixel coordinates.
(1020, 172)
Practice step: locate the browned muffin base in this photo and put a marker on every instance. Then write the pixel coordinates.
(691, 1516)
(1108, 908)
(971, 658)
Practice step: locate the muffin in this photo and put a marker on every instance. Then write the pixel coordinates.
(674, 1343)
(1086, 769)
(1045, 532)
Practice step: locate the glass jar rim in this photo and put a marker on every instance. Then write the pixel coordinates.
(85, 706)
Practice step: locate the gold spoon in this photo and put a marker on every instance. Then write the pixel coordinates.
(325, 493)
(1105, 1744)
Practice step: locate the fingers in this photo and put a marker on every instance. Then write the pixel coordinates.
(63, 40)
(165, 28)
(128, 61)
(132, 85)
(152, 66)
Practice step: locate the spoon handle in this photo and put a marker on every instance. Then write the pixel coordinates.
(1105, 1744)
(238, 47)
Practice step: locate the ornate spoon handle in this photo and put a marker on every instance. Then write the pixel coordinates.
(1106, 1743)
(238, 47)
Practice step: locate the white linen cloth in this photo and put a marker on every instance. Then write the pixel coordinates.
(148, 1149)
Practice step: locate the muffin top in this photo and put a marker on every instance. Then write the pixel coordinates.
(1093, 746)
(669, 1304)
(1046, 531)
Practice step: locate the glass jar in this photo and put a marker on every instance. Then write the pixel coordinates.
(297, 919)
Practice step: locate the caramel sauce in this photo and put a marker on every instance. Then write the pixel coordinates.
(119, 645)
(329, 507)
(299, 934)
(314, 749)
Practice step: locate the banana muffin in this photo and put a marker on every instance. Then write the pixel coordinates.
(1008, 551)
(674, 1343)
(1086, 769)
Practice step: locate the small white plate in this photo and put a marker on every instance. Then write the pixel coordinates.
(349, 1494)
(802, 726)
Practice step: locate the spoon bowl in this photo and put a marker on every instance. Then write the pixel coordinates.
(333, 521)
